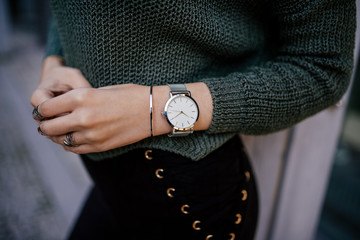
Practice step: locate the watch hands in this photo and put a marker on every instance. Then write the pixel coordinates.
(180, 112)
(176, 115)
(184, 114)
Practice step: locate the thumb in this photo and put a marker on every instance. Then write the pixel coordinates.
(81, 82)
(39, 96)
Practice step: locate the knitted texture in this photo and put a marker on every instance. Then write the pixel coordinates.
(268, 64)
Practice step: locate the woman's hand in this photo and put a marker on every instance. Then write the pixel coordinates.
(104, 118)
(57, 79)
(110, 117)
(99, 119)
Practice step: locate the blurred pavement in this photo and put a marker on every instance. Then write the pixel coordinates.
(42, 187)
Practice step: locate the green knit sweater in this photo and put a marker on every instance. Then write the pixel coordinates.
(268, 64)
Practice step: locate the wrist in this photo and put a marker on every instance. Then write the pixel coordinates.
(52, 61)
(201, 94)
(160, 96)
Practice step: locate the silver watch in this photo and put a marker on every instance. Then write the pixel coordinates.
(181, 111)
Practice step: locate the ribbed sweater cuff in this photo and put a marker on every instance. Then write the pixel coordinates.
(229, 102)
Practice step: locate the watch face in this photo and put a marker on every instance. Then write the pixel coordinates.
(181, 111)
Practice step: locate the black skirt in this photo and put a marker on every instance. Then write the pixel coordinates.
(153, 194)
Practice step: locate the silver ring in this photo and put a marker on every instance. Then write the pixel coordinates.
(67, 144)
(41, 132)
(36, 114)
(69, 140)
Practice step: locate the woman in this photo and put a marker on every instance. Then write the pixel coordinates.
(153, 94)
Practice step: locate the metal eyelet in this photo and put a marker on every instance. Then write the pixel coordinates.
(244, 197)
(183, 209)
(169, 190)
(232, 235)
(147, 156)
(194, 225)
(208, 237)
(247, 175)
(157, 173)
(238, 218)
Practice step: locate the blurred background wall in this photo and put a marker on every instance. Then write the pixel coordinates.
(340, 218)
(42, 187)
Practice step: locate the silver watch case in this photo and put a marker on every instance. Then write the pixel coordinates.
(178, 131)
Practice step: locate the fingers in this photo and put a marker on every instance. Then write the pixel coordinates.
(59, 105)
(63, 114)
(59, 125)
(45, 115)
(39, 96)
(36, 114)
(57, 79)
(71, 139)
(73, 142)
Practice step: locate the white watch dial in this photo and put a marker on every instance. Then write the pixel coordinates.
(182, 111)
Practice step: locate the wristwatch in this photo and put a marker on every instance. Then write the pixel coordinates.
(181, 111)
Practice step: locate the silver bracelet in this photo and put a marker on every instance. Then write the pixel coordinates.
(151, 129)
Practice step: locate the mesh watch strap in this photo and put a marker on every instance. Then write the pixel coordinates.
(178, 89)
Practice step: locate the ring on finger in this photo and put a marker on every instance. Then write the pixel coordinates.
(36, 114)
(41, 132)
(69, 140)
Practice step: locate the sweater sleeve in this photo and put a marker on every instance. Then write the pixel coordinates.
(309, 71)
(53, 44)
